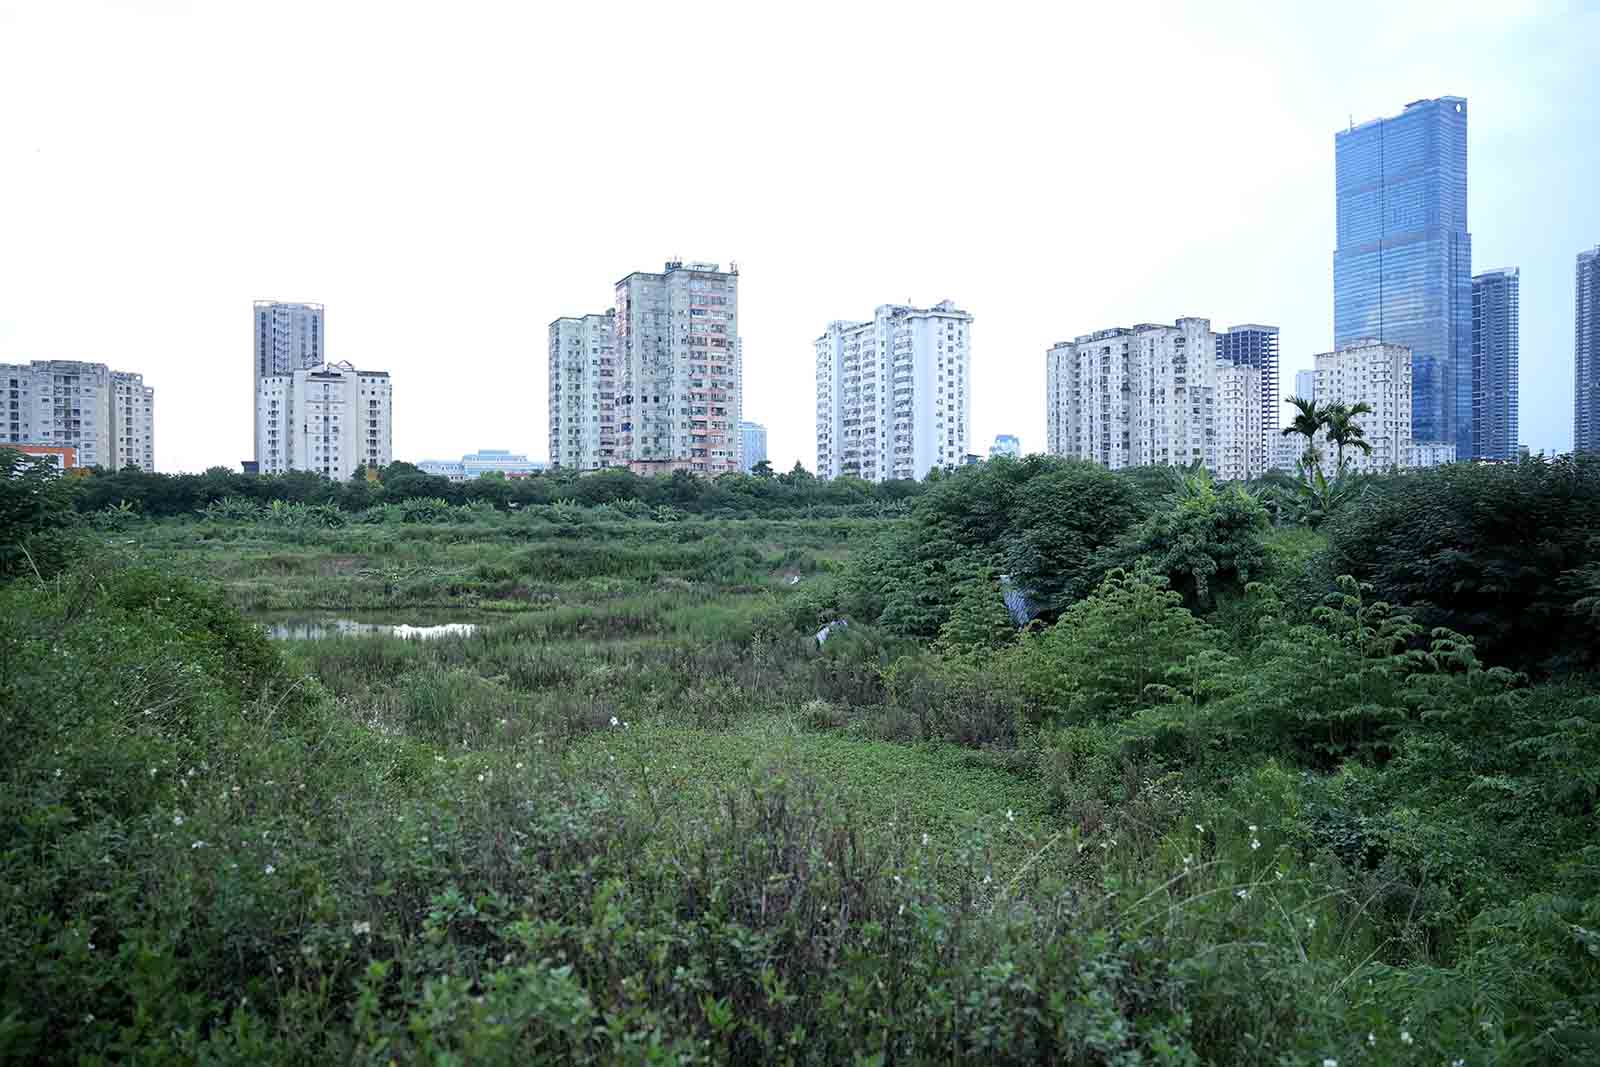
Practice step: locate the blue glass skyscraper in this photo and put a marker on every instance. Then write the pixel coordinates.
(1496, 358)
(1402, 270)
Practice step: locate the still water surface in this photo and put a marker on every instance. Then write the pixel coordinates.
(322, 628)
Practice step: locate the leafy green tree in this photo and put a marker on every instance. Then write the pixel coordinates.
(36, 515)
(979, 621)
(1492, 550)
(1341, 428)
(1101, 658)
(1308, 421)
(1207, 540)
(762, 469)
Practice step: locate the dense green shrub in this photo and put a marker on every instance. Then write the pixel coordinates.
(1499, 551)
(36, 520)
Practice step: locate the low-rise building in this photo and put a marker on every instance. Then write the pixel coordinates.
(1006, 444)
(1432, 453)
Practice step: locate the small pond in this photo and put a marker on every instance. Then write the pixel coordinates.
(319, 628)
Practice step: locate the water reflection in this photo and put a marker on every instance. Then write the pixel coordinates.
(321, 629)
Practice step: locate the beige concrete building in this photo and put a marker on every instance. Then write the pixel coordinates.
(1240, 440)
(583, 393)
(106, 417)
(1377, 374)
(332, 420)
(1140, 396)
(678, 368)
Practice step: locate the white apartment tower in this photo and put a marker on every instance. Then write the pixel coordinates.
(1377, 374)
(332, 420)
(285, 337)
(676, 336)
(1141, 396)
(583, 393)
(107, 417)
(1241, 440)
(894, 394)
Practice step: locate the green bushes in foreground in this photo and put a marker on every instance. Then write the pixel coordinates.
(1215, 805)
(287, 885)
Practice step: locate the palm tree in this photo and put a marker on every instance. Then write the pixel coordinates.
(1343, 430)
(1308, 420)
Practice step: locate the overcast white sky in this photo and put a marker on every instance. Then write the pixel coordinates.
(449, 177)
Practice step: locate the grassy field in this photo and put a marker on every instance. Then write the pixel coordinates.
(640, 815)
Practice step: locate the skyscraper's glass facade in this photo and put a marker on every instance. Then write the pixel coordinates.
(1496, 347)
(1402, 270)
(1586, 355)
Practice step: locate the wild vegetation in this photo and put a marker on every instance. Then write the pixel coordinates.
(1273, 773)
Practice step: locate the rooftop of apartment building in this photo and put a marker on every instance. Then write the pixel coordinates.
(675, 265)
(287, 304)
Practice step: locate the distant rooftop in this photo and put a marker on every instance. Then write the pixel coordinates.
(1459, 101)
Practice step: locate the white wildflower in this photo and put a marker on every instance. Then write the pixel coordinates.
(1372, 1038)
(177, 820)
(1252, 827)
(1242, 894)
(924, 840)
(361, 929)
(269, 869)
(1311, 922)
(58, 772)
(1254, 844)
(198, 844)
(1011, 816)
(1329, 1061)
(480, 777)
(519, 765)
(1405, 1037)
(615, 721)
(1199, 829)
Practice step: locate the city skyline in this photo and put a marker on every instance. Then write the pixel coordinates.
(419, 273)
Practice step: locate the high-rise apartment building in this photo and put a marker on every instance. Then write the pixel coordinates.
(1252, 345)
(106, 417)
(1145, 395)
(1240, 443)
(894, 394)
(285, 337)
(1006, 444)
(1305, 384)
(1402, 270)
(753, 444)
(1586, 355)
(583, 393)
(1379, 375)
(679, 369)
(332, 420)
(288, 337)
(1496, 324)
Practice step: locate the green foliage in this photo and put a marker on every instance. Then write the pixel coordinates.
(1100, 661)
(1497, 551)
(641, 815)
(1208, 541)
(1042, 521)
(35, 516)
